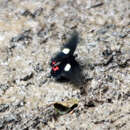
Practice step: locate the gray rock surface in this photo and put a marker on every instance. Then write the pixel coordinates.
(32, 31)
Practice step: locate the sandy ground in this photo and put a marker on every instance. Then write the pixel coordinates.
(32, 31)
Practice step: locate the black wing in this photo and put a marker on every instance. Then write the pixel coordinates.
(67, 50)
(73, 73)
(68, 70)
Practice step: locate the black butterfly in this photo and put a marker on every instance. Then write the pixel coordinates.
(64, 66)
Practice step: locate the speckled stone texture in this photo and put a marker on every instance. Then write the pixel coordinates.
(32, 31)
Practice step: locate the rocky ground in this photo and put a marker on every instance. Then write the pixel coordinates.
(32, 31)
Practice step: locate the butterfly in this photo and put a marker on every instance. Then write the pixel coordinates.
(63, 64)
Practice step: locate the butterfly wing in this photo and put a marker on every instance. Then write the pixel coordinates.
(69, 70)
(72, 72)
(71, 45)
(67, 50)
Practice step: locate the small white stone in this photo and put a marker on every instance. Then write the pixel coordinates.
(66, 50)
(67, 67)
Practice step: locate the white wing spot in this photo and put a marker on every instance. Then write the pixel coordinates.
(67, 67)
(66, 50)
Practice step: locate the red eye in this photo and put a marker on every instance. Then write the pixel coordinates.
(55, 68)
